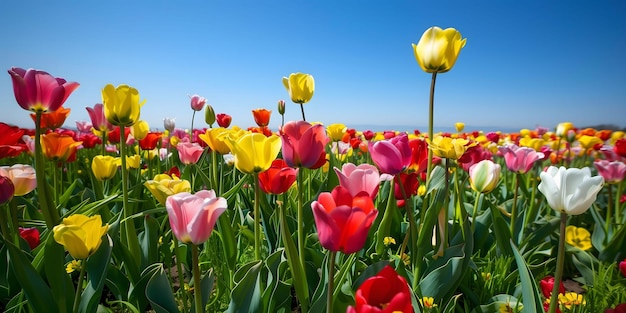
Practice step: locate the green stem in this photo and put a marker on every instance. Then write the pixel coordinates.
(48, 209)
(295, 265)
(302, 109)
(6, 233)
(214, 169)
(514, 208)
(14, 221)
(443, 214)
(475, 213)
(129, 225)
(431, 108)
(179, 270)
(299, 218)
(531, 206)
(79, 287)
(257, 218)
(409, 215)
(617, 207)
(331, 280)
(609, 209)
(193, 116)
(560, 260)
(104, 143)
(197, 290)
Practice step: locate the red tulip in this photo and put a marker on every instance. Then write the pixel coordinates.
(620, 147)
(6, 189)
(419, 155)
(410, 183)
(368, 134)
(261, 117)
(622, 267)
(39, 91)
(114, 135)
(620, 308)
(343, 221)
(386, 292)
(10, 141)
(150, 141)
(278, 178)
(473, 155)
(304, 145)
(31, 235)
(223, 120)
(90, 140)
(547, 284)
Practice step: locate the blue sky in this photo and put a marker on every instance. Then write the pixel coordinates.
(526, 63)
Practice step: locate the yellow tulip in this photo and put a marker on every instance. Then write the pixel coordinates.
(254, 152)
(446, 147)
(438, 49)
(133, 161)
(163, 186)
(215, 139)
(300, 87)
(121, 104)
(140, 130)
(80, 235)
(534, 143)
(459, 126)
(578, 237)
(589, 142)
(336, 131)
(563, 128)
(104, 167)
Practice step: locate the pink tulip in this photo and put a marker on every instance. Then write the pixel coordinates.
(520, 159)
(84, 126)
(197, 103)
(98, 120)
(22, 176)
(392, 156)
(193, 216)
(303, 144)
(189, 153)
(611, 171)
(39, 91)
(343, 221)
(357, 179)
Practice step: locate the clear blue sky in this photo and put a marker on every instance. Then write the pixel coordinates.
(526, 63)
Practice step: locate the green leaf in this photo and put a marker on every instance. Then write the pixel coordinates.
(530, 292)
(501, 230)
(149, 241)
(158, 290)
(96, 267)
(246, 296)
(60, 283)
(38, 294)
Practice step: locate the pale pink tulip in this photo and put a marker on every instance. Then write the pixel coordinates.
(193, 216)
(189, 153)
(355, 179)
(611, 171)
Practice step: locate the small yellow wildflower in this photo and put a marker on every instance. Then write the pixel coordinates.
(388, 241)
(486, 276)
(75, 265)
(578, 237)
(421, 190)
(570, 299)
(428, 302)
(406, 259)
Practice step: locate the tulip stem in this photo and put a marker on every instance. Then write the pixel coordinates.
(609, 209)
(431, 108)
(475, 213)
(79, 286)
(48, 209)
(193, 116)
(180, 273)
(617, 206)
(302, 109)
(257, 218)
(299, 217)
(6, 233)
(560, 260)
(104, 142)
(129, 224)
(514, 208)
(197, 288)
(297, 271)
(331, 280)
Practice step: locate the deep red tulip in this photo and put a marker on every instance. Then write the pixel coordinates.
(223, 120)
(386, 292)
(114, 135)
(620, 308)
(39, 91)
(174, 171)
(410, 183)
(473, 155)
(304, 145)
(90, 140)
(343, 221)
(31, 235)
(547, 284)
(10, 141)
(6, 190)
(620, 147)
(278, 178)
(622, 267)
(368, 134)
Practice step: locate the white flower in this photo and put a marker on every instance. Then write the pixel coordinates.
(570, 190)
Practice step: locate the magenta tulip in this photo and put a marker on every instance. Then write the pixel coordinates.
(519, 159)
(189, 153)
(304, 145)
(356, 179)
(392, 156)
(39, 91)
(343, 221)
(612, 171)
(6, 189)
(193, 216)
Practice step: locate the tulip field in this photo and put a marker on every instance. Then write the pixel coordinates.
(114, 215)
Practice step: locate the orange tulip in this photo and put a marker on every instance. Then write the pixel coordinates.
(261, 117)
(53, 120)
(59, 147)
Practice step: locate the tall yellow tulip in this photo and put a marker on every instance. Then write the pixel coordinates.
(80, 235)
(300, 87)
(438, 49)
(104, 167)
(254, 152)
(121, 104)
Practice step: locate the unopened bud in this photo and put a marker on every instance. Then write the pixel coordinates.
(209, 115)
(281, 107)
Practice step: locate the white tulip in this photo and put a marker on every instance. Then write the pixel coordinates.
(570, 190)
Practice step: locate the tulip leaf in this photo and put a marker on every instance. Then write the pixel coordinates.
(159, 291)
(246, 296)
(65, 197)
(96, 268)
(227, 235)
(60, 283)
(530, 292)
(37, 292)
(584, 262)
(616, 248)
(277, 293)
(149, 240)
(501, 230)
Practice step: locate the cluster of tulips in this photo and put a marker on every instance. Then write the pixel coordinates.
(116, 216)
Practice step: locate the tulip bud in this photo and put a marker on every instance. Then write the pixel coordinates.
(459, 126)
(484, 176)
(169, 123)
(197, 102)
(281, 107)
(209, 115)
